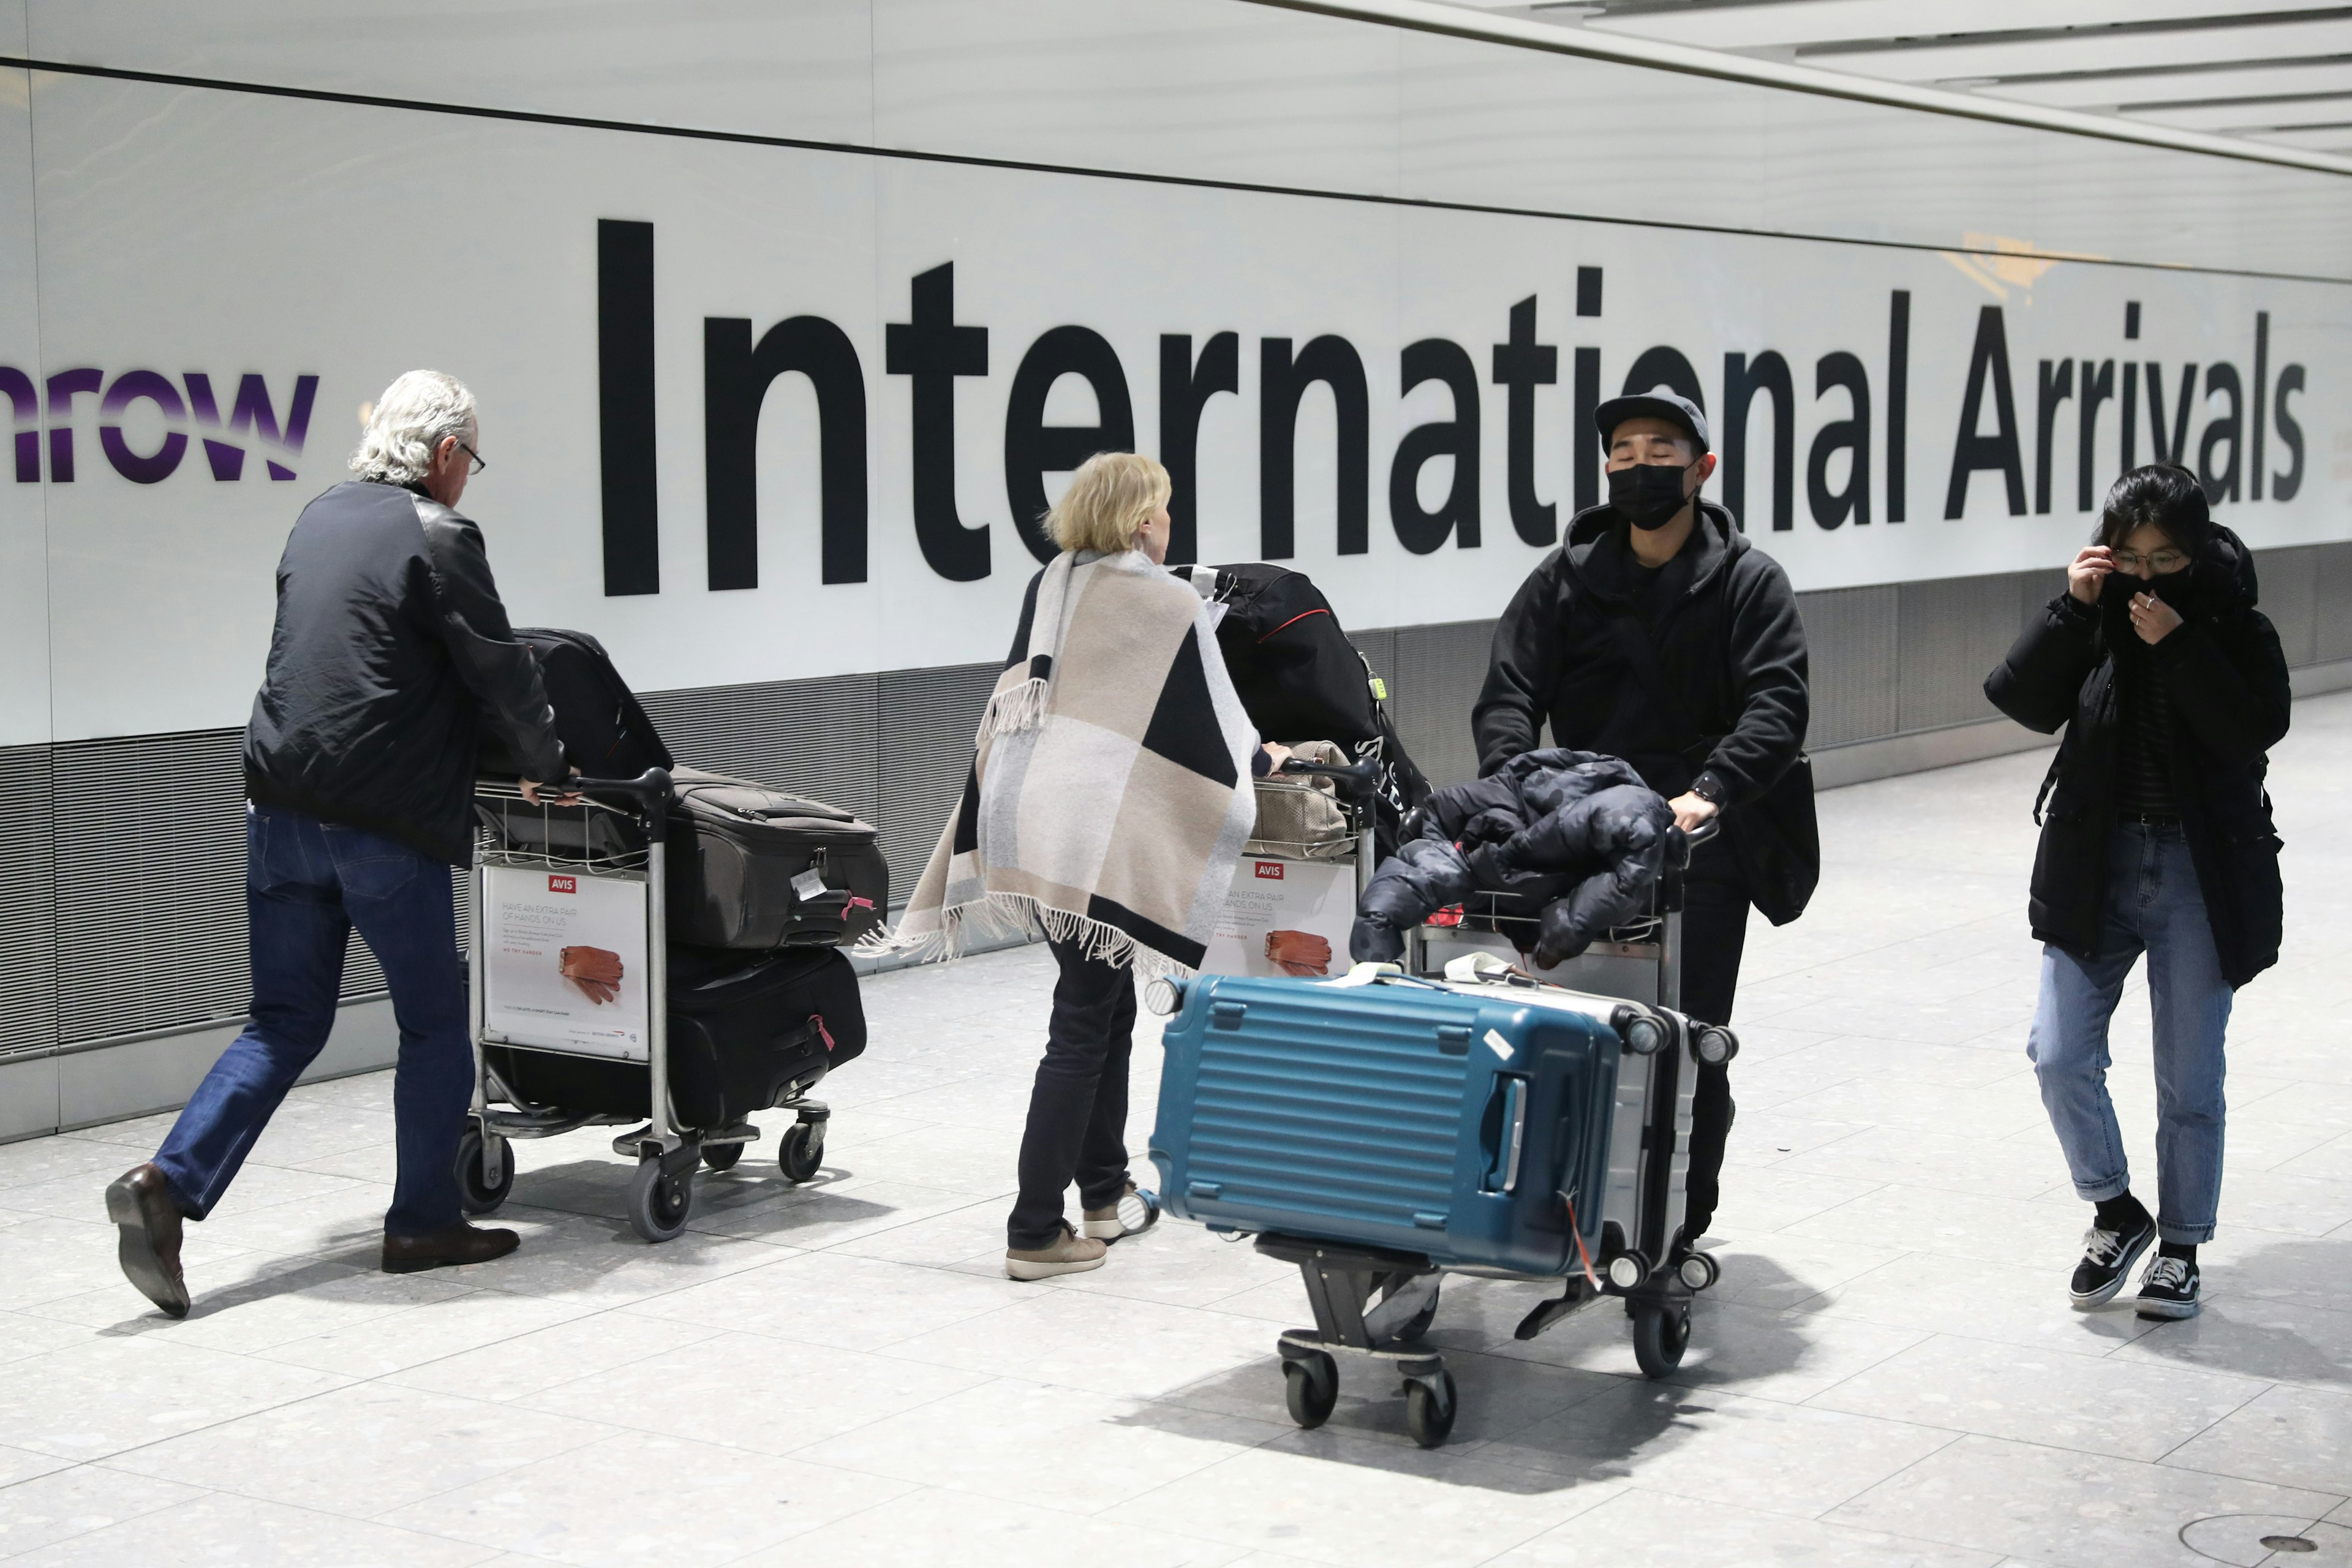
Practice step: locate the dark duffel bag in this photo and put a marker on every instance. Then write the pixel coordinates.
(755, 868)
(742, 1038)
(605, 732)
(1296, 673)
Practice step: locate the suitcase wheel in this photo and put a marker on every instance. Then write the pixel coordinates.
(1429, 1406)
(476, 1193)
(721, 1156)
(1311, 1388)
(802, 1152)
(658, 1202)
(1660, 1334)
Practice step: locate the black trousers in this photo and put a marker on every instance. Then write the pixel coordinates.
(1078, 1110)
(1714, 932)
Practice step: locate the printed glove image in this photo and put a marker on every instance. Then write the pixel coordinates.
(594, 971)
(1299, 954)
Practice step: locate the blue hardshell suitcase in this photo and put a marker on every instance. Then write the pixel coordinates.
(1461, 1123)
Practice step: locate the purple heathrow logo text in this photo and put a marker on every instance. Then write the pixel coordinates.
(252, 418)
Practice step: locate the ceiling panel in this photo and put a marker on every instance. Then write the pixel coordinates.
(2128, 51)
(2231, 118)
(2139, 91)
(1796, 22)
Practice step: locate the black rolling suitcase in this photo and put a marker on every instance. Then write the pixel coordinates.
(755, 868)
(742, 1038)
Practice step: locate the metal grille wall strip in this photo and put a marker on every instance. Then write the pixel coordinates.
(127, 914)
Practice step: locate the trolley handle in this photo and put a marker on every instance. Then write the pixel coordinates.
(1358, 780)
(648, 793)
(1694, 836)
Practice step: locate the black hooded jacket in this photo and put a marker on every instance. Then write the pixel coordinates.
(2225, 685)
(391, 655)
(1723, 621)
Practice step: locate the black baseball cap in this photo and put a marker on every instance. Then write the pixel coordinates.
(1672, 407)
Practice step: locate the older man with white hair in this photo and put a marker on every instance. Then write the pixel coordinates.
(391, 658)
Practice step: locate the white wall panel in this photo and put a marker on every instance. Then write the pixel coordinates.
(769, 68)
(24, 566)
(192, 229)
(1231, 90)
(1202, 88)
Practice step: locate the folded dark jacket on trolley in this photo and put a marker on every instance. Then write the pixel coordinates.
(1572, 834)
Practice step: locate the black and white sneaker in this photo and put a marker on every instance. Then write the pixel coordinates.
(2168, 1290)
(2108, 1257)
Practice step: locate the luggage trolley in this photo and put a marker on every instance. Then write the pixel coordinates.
(569, 962)
(1376, 1304)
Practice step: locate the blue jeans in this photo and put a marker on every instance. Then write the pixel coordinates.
(2152, 906)
(307, 884)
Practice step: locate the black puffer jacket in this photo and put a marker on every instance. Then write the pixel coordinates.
(1576, 835)
(391, 655)
(1723, 621)
(2226, 684)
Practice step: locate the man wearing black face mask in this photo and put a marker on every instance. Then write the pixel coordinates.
(1657, 633)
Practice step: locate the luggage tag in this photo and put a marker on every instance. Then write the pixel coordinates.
(808, 885)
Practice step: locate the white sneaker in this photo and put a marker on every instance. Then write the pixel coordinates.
(1136, 1211)
(1067, 1253)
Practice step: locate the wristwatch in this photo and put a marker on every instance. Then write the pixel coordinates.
(1709, 788)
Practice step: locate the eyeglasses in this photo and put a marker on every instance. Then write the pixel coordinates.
(2160, 561)
(479, 465)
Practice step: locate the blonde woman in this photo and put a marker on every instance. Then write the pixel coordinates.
(1110, 798)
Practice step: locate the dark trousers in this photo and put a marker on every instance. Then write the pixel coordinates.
(308, 884)
(1077, 1111)
(1715, 931)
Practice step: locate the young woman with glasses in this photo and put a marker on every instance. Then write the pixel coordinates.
(2157, 839)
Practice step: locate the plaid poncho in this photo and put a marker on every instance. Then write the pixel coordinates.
(1110, 792)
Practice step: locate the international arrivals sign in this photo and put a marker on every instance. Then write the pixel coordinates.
(755, 413)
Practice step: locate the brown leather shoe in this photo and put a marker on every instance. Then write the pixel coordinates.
(147, 1221)
(460, 1243)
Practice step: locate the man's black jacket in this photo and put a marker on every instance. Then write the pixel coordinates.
(2226, 682)
(390, 653)
(1723, 621)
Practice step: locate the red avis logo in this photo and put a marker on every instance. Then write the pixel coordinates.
(1270, 870)
(563, 884)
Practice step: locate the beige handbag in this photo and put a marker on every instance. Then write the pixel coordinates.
(1299, 816)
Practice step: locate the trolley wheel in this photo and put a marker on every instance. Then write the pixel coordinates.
(1660, 1334)
(475, 1194)
(1429, 1406)
(721, 1156)
(1414, 1330)
(802, 1151)
(1310, 1386)
(659, 1204)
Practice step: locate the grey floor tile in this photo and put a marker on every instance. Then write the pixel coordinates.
(1111, 1449)
(749, 1391)
(1138, 1349)
(2052, 1506)
(112, 1394)
(542, 1358)
(2011, 1304)
(2279, 1341)
(945, 1527)
(224, 1528)
(1947, 1161)
(1341, 1500)
(376, 1345)
(634, 1499)
(1646, 1528)
(2098, 1405)
(1748, 1453)
(2294, 1436)
(44, 1509)
(361, 1451)
(833, 1298)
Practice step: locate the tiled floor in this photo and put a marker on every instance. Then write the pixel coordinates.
(839, 1374)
